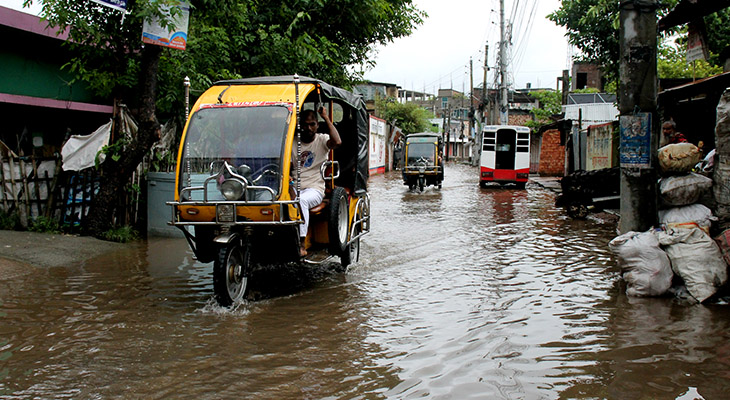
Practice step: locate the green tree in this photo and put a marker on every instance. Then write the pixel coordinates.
(672, 63)
(593, 27)
(327, 39)
(549, 104)
(409, 117)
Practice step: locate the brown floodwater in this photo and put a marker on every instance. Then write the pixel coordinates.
(460, 293)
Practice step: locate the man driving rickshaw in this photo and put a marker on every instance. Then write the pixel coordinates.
(246, 204)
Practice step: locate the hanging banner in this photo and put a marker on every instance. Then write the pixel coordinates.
(635, 145)
(174, 36)
(117, 4)
(696, 48)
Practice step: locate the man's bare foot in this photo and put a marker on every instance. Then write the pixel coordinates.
(302, 252)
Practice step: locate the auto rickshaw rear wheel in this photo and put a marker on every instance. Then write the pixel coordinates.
(339, 221)
(352, 252)
(231, 271)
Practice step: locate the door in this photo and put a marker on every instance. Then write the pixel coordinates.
(505, 157)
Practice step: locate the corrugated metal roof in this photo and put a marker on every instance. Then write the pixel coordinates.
(592, 113)
(591, 98)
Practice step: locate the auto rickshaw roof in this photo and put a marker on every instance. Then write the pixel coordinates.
(330, 91)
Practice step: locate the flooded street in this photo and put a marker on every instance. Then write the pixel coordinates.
(459, 293)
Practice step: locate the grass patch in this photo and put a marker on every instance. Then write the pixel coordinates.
(44, 225)
(122, 234)
(9, 221)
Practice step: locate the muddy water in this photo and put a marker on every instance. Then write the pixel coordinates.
(460, 293)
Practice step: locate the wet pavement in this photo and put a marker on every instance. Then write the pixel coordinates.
(460, 293)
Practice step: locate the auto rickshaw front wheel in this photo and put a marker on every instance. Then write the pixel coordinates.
(231, 270)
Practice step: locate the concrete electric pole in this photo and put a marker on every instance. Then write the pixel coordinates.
(638, 121)
(503, 107)
(484, 86)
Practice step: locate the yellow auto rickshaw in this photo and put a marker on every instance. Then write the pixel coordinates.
(423, 161)
(237, 193)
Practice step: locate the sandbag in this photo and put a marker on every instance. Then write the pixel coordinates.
(679, 157)
(681, 190)
(721, 186)
(644, 265)
(696, 258)
(723, 243)
(722, 126)
(687, 215)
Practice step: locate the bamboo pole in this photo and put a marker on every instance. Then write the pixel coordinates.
(3, 189)
(26, 190)
(36, 185)
(52, 190)
(12, 183)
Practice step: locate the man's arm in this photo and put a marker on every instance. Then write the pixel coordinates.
(335, 140)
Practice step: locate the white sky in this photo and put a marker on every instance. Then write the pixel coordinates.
(437, 54)
(18, 5)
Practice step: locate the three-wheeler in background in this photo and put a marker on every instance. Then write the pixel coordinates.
(505, 155)
(423, 161)
(237, 193)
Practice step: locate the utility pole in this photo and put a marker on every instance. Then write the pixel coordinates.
(448, 129)
(471, 110)
(637, 103)
(566, 91)
(485, 109)
(503, 107)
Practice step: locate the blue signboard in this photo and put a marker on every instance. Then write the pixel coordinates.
(635, 146)
(118, 4)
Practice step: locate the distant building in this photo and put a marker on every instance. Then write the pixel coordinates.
(372, 90)
(586, 75)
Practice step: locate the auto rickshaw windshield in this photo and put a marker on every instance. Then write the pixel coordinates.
(419, 151)
(250, 139)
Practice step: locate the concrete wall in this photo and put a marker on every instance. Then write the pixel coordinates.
(552, 154)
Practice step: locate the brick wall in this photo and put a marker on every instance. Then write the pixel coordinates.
(519, 119)
(592, 74)
(552, 154)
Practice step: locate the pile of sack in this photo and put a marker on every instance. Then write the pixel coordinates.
(682, 250)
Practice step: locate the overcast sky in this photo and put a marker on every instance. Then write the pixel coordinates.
(437, 54)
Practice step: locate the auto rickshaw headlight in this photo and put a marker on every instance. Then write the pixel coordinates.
(421, 169)
(232, 189)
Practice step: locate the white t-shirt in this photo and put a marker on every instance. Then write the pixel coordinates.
(313, 155)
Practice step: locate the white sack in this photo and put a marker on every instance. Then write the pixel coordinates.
(680, 190)
(80, 152)
(694, 213)
(695, 258)
(644, 265)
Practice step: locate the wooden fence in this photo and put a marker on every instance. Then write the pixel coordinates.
(37, 187)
